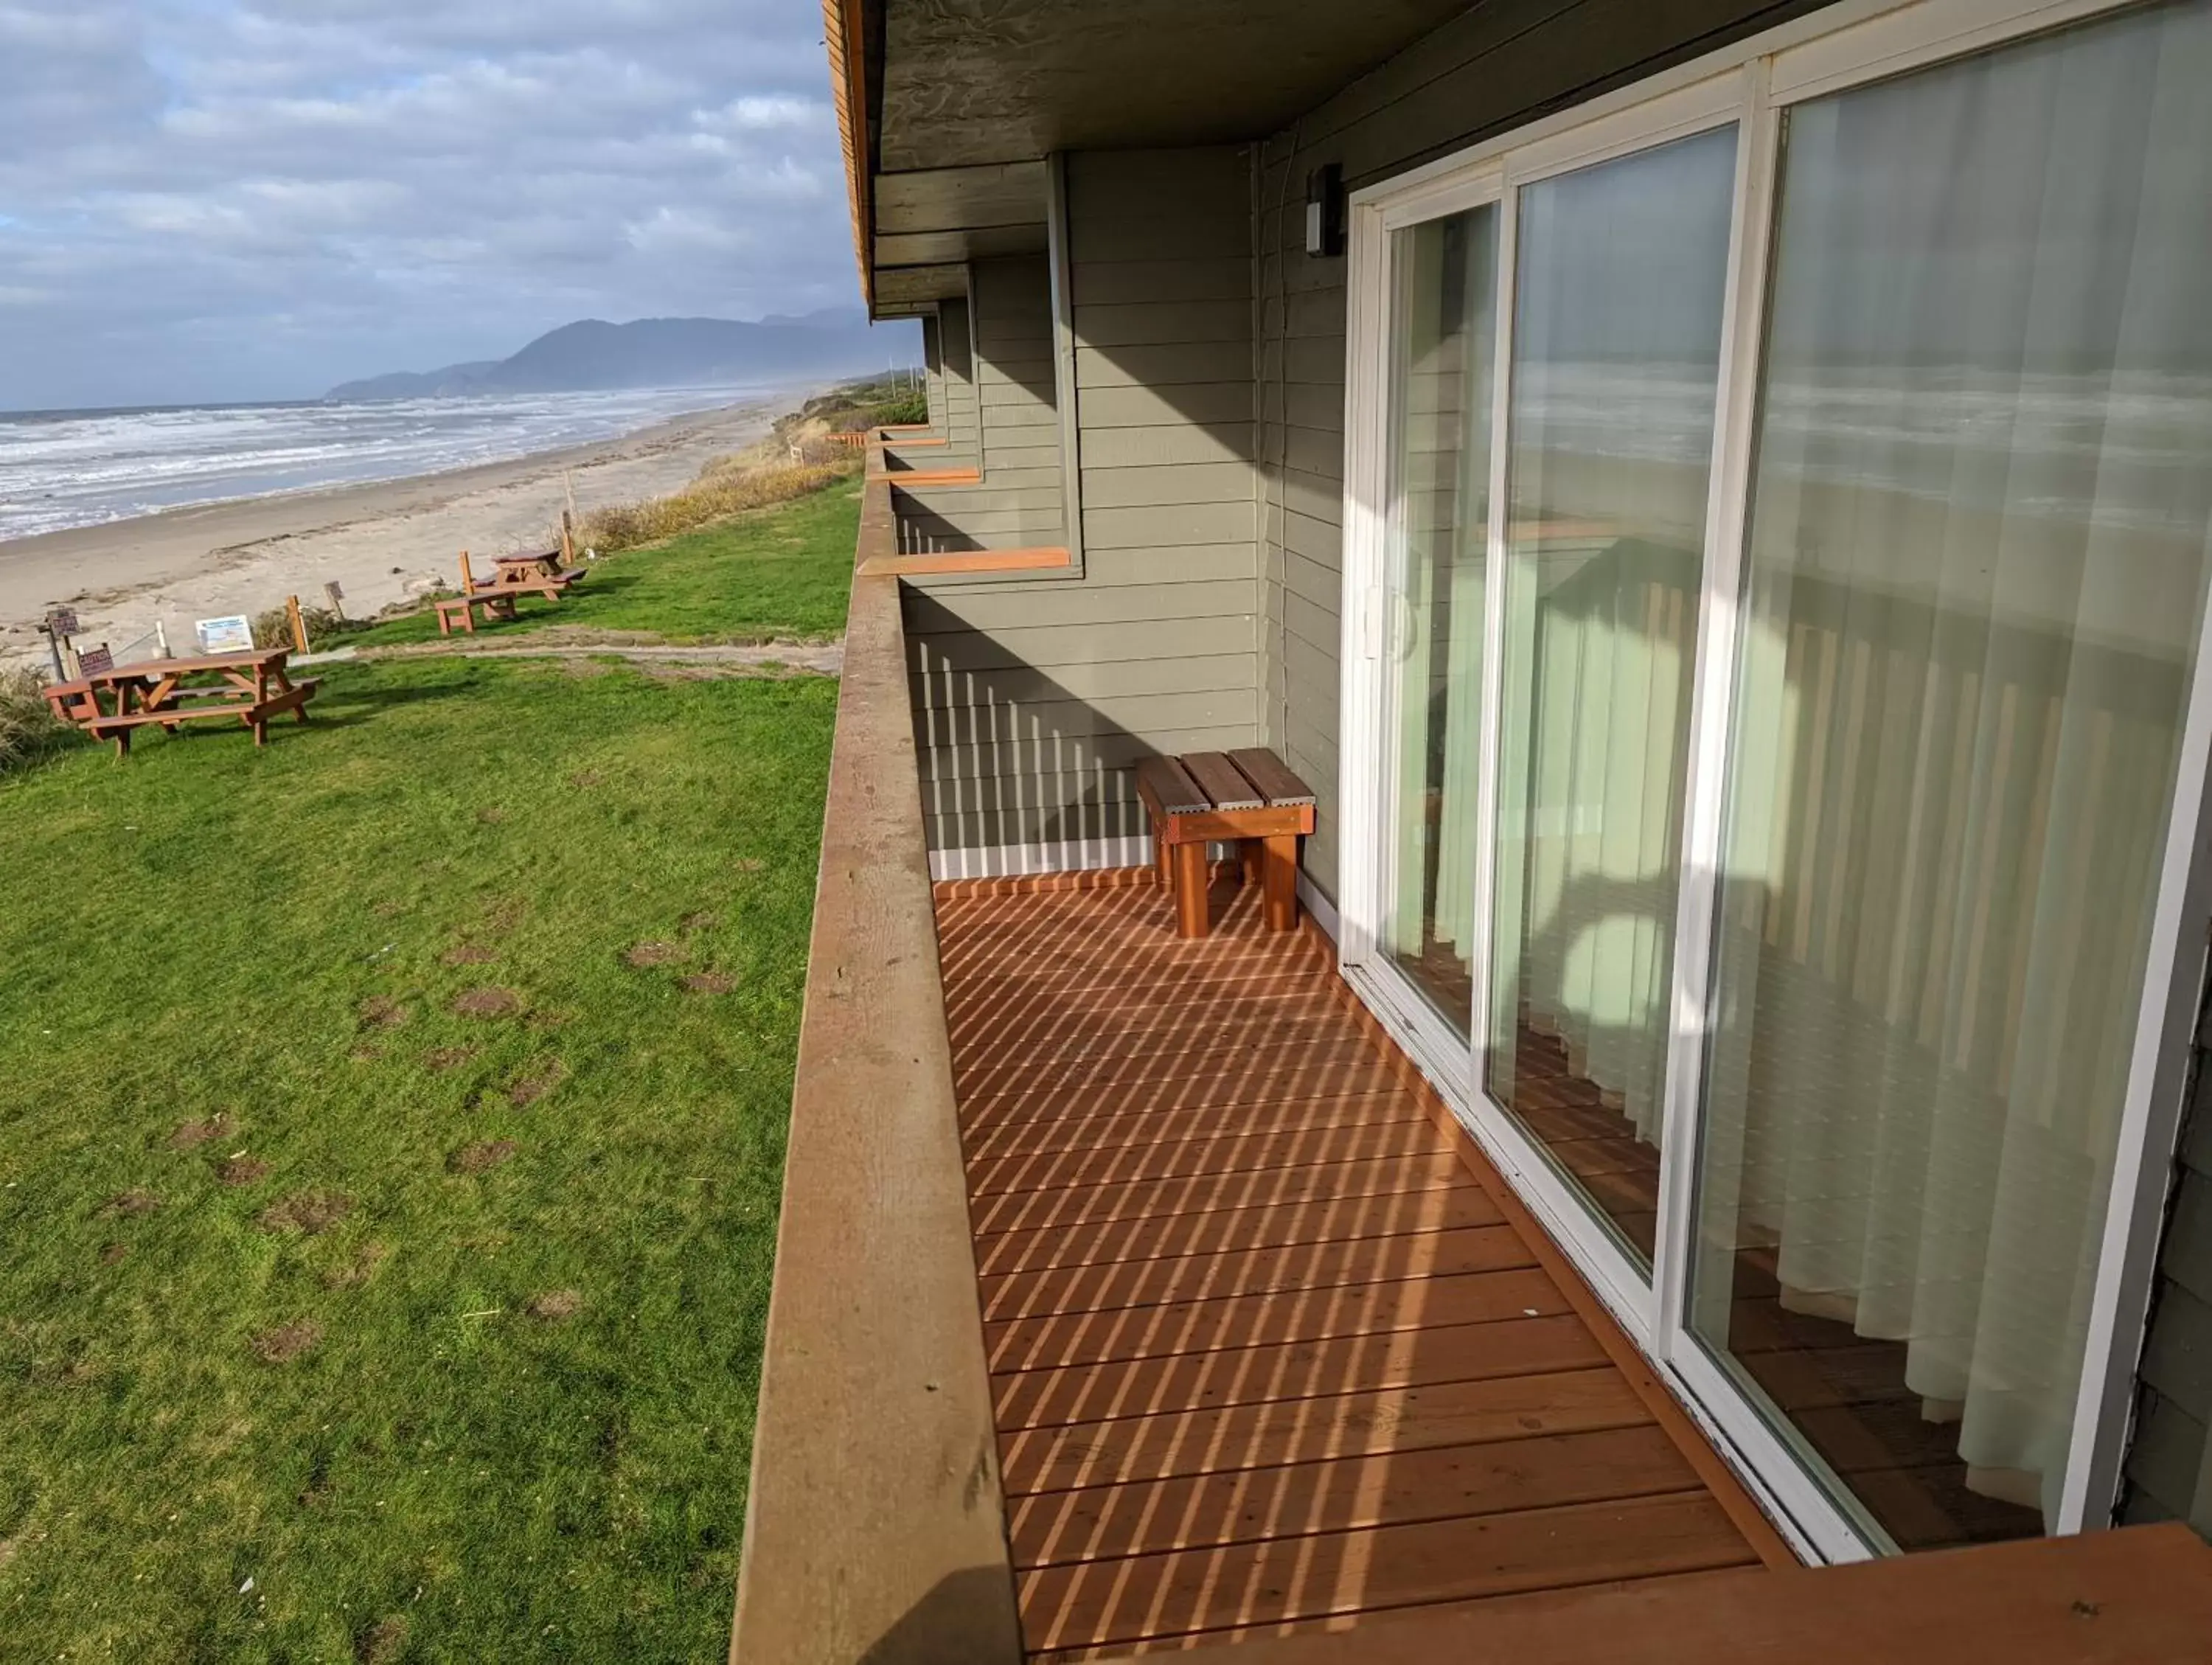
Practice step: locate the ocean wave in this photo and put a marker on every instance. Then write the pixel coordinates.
(59, 471)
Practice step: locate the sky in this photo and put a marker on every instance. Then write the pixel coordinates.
(205, 200)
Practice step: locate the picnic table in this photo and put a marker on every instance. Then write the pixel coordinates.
(112, 703)
(528, 571)
(513, 575)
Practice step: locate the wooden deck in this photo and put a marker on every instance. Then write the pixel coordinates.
(1272, 1348)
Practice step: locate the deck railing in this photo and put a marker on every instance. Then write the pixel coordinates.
(875, 1528)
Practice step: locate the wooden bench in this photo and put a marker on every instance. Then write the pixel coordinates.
(220, 703)
(1247, 798)
(461, 610)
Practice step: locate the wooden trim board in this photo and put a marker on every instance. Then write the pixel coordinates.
(965, 561)
(875, 1528)
(2139, 1596)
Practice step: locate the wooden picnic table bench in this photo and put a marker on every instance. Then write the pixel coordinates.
(530, 572)
(253, 687)
(514, 575)
(1249, 798)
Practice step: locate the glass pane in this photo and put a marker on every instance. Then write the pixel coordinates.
(1976, 571)
(1623, 270)
(1443, 328)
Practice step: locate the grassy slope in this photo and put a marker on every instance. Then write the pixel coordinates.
(778, 572)
(208, 932)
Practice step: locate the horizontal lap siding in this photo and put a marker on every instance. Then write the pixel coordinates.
(2169, 1467)
(957, 378)
(932, 360)
(1020, 504)
(1493, 68)
(1033, 698)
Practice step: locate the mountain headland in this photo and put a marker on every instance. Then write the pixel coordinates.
(592, 355)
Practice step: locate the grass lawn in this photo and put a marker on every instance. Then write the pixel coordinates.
(771, 572)
(390, 1133)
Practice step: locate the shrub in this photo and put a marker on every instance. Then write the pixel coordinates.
(274, 627)
(915, 408)
(727, 486)
(28, 730)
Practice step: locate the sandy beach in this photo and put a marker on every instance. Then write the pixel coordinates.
(381, 543)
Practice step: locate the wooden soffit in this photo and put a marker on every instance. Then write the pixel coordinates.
(947, 109)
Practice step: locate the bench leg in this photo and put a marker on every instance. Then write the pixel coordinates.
(1191, 890)
(445, 623)
(1280, 868)
(1163, 860)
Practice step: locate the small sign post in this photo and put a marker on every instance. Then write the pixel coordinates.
(95, 661)
(58, 626)
(232, 635)
(337, 598)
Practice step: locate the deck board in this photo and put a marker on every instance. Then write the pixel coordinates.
(1251, 1271)
(1270, 1348)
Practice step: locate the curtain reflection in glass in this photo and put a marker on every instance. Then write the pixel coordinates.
(1621, 281)
(1976, 569)
(1443, 328)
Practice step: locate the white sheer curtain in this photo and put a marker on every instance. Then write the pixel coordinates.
(1977, 563)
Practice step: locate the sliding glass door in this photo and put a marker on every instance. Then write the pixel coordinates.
(1621, 277)
(1445, 324)
(1977, 568)
(1789, 507)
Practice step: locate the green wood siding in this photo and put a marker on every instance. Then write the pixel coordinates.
(1035, 696)
(2169, 1474)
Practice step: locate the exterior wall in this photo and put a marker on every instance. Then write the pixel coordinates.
(1034, 697)
(932, 361)
(2169, 1467)
(1014, 436)
(955, 346)
(1496, 67)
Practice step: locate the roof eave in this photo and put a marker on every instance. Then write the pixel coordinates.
(845, 36)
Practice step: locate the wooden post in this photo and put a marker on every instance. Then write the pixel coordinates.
(1191, 874)
(468, 578)
(1279, 864)
(299, 624)
(568, 538)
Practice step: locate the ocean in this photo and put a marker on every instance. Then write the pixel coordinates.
(79, 468)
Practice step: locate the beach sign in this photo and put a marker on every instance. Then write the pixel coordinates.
(95, 661)
(234, 635)
(62, 622)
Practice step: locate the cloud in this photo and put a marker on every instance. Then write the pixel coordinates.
(254, 198)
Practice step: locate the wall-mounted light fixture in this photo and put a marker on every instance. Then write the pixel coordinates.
(1325, 212)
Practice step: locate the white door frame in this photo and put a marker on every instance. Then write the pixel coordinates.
(1749, 85)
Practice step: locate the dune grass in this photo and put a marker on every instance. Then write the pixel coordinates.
(781, 573)
(28, 730)
(391, 1134)
(727, 486)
